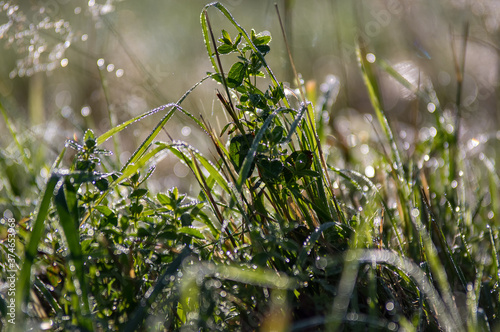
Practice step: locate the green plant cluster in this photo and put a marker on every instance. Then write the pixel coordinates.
(277, 238)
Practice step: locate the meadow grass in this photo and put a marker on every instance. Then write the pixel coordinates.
(278, 237)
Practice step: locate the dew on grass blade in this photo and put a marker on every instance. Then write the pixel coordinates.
(364, 148)
(46, 325)
(389, 306)
(370, 171)
(371, 58)
(431, 107)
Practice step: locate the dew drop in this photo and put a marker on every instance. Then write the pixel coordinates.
(431, 107)
(186, 131)
(364, 148)
(85, 111)
(370, 57)
(389, 306)
(369, 171)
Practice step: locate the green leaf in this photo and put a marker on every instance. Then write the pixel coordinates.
(186, 219)
(89, 139)
(236, 74)
(238, 149)
(307, 172)
(89, 134)
(104, 137)
(167, 235)
(264, 49)
(226, 38)
(237, 40)
(225, 49)
(74, 145)
(216, 77)
(261, 40)
(304, 160)
(270, 170)
(106, 211)
(138, 193)
(277, 134)
(191, 232)
(136, 208)
(163, 199)
(102, 184)
(143, 232)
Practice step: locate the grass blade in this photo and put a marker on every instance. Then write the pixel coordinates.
(68, 218)
(376, 100)
(24, 282)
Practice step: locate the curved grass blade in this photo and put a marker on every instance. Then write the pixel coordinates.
(442, 240)
(447, 318)
(376, 100)
(48, 296)
(214, 172)
(190, 289)
(68, 218)
(146, 143)
(293, 127)
(311, 241)
(131, 168)
(13, 133)
(351, 176)
(104, 137)
(429, 97)
(24, 281)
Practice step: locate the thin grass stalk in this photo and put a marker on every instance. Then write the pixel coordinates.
(150, 79)
(199, 175)
(13, 133)
(31, 249)
(111, 117)
(376, 99)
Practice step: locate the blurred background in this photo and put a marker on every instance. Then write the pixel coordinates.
(69, 65)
